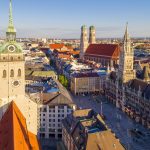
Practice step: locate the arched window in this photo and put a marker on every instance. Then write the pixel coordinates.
(11, 59)
(4, 74)
(19, 72)
(11, 73)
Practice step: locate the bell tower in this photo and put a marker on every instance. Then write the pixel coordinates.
(83, 41)
(92, 38)
(12, 78)
(126, 71)
(12, 71)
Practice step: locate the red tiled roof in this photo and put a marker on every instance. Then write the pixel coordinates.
(56, 46)
(14, 134)
(69, 47)
(66, 56)
(107, 50)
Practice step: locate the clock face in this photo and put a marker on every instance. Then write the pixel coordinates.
(16, 83)
(11, 48)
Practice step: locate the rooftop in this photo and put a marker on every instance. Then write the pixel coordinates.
(107, 50)
(84, 75)
(89, 131)
(56, 46)
(43, 73)
(14, 133)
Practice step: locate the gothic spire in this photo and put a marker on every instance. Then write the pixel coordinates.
(11, 32)
(11, 27)
(126, 36)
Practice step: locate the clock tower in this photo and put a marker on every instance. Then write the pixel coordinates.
(12, 78)
(126, 71)
(12, 74)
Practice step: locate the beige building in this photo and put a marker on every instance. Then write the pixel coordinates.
(12, 78)
(127, 92)
(86, 130)
(86, 83)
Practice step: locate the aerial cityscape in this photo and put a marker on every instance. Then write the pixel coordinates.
(72, 86)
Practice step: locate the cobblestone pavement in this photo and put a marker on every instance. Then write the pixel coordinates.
(119, 122)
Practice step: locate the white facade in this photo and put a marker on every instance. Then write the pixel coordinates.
(50, 120)
(12, 87)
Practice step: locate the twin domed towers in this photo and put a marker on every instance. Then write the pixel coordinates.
(84, 42)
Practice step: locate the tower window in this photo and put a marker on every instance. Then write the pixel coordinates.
(11, 58)
(4, 74)
(19, 72)
(12, 73)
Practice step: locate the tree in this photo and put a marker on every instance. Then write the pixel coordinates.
(63, 80)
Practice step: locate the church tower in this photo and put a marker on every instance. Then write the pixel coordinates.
(126, 71)
(83, 41)
(12, 76)
(92, 38)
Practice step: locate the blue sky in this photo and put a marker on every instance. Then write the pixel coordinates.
(63, 18)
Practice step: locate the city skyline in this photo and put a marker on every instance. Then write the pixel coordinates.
(52, 19)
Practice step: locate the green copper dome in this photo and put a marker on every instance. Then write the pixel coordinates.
(10, 45)
(92, 28)
(5, 47)
(84, 27)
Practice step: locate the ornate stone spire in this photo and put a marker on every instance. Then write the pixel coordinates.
(11, 32)
(126, 36)
(126, 71)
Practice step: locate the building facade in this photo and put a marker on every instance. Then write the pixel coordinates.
(12, 78)
(86, 83)
(51, 114)
(125, 90)
(104, 54)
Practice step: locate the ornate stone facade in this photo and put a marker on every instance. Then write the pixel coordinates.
(128, 93)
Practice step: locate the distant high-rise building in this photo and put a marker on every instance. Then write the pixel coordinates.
(83, 41)
(92, 37)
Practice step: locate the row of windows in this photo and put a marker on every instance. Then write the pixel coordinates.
(11, 58)
(59, 115)
(11, 73)
(50, 125)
